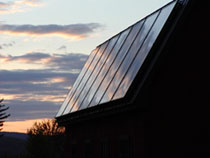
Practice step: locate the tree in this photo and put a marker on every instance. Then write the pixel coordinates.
(45, 140)
(3, 115)
(46, 127)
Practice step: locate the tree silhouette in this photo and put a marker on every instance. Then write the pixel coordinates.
(45, 139)
(46, 127)
(3, 115)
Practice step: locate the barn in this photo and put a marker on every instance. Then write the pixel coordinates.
(144, 92)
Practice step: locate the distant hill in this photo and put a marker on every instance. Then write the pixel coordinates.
(12, 144)
(15, 135)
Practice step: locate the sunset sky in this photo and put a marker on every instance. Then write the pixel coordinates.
(44, 44)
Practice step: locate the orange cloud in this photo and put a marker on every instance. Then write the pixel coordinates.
(18, 6)
(27, 97)
(44, 98)
(33, 3)
(58, 79)
(11, 96)
(73, 31)
(20, 126)
(32, 34)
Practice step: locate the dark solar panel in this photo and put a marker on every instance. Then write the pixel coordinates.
(112, 66)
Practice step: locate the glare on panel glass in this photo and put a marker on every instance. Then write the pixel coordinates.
(110, 60)
(120, 56)
(92, 67)
(93, 75)
(112, 67)
(84, 69)
(120, 73)
(143, 52)
(83, 81)
(94, 86)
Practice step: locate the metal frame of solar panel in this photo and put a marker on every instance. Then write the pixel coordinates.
(112, 66)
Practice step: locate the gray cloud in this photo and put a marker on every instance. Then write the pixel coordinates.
(30, 57)
(64, 62)
(33, 94)
(71, 62)
(27, 76)
(74, 30)
(32, 109)
(62, 47)
(6, 45)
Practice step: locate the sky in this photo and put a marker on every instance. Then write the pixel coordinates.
(44, 45)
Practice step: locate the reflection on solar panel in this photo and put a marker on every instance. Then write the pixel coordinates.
(112, 66)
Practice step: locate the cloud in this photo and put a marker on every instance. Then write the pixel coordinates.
(62, 47)
(18, 6)
(64, 62)
(28, 58)
(33, 94)
(32, 109)
(71, 62)
(17, 77)
(33, 3)
(74, 31)
(6, 45)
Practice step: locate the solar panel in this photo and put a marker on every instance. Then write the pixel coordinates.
(112, 66)
(77, 82)
(98, 89)
(86, 78)
(143, 52)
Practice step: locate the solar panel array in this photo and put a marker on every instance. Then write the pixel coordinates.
(113, 65)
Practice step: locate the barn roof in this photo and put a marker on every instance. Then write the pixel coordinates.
(109, 73)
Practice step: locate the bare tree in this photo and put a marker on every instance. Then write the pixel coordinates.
(46, 127)
(45, 139)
